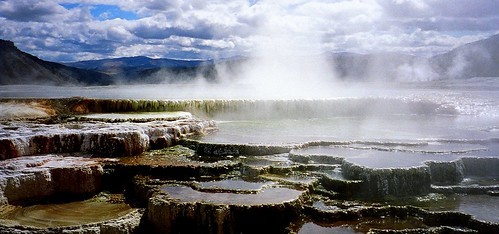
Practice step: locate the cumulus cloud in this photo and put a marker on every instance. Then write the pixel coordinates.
(68, 30)
(28, 10)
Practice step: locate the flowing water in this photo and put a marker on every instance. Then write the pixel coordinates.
(373, 125)
(444, 119)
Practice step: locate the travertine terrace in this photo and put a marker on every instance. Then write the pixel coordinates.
(147, 164)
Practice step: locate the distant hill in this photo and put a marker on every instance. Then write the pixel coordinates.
(143, 69)
(476, 59)
(380, 66)
(17, 67)
(113, 66)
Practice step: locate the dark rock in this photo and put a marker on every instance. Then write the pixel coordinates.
(486, 166)
(219, 149)
(194, 211)
(390, 181)
(446, 172)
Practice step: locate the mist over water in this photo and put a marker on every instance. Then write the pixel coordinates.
(287, 61)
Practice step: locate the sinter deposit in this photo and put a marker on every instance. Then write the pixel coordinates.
(161, 166)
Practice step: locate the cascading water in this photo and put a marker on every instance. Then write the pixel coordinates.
(425, 143)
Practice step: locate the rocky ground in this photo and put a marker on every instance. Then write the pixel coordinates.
(148, 173)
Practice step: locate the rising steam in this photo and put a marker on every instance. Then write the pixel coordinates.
(286, 60)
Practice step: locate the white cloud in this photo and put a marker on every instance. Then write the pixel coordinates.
(138, 50)
(226, 27)
(218, 44)
(29, 10)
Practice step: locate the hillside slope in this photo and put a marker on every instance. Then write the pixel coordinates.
(18, 67)
(476, 59)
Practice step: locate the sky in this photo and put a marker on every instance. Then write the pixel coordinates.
(69, 30)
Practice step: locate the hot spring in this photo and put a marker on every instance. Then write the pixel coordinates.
(359, 157)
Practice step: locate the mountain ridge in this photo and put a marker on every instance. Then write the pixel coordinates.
(479, 58)
(475, 59)
(18, 67)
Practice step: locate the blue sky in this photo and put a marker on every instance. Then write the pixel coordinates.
(104, 12)
(70, 30)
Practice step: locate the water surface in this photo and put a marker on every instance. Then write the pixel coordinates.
(65, 214)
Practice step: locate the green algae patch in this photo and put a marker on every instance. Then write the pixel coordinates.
(176, 163)
(137, 117)
(176, 155)
(221, 149)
